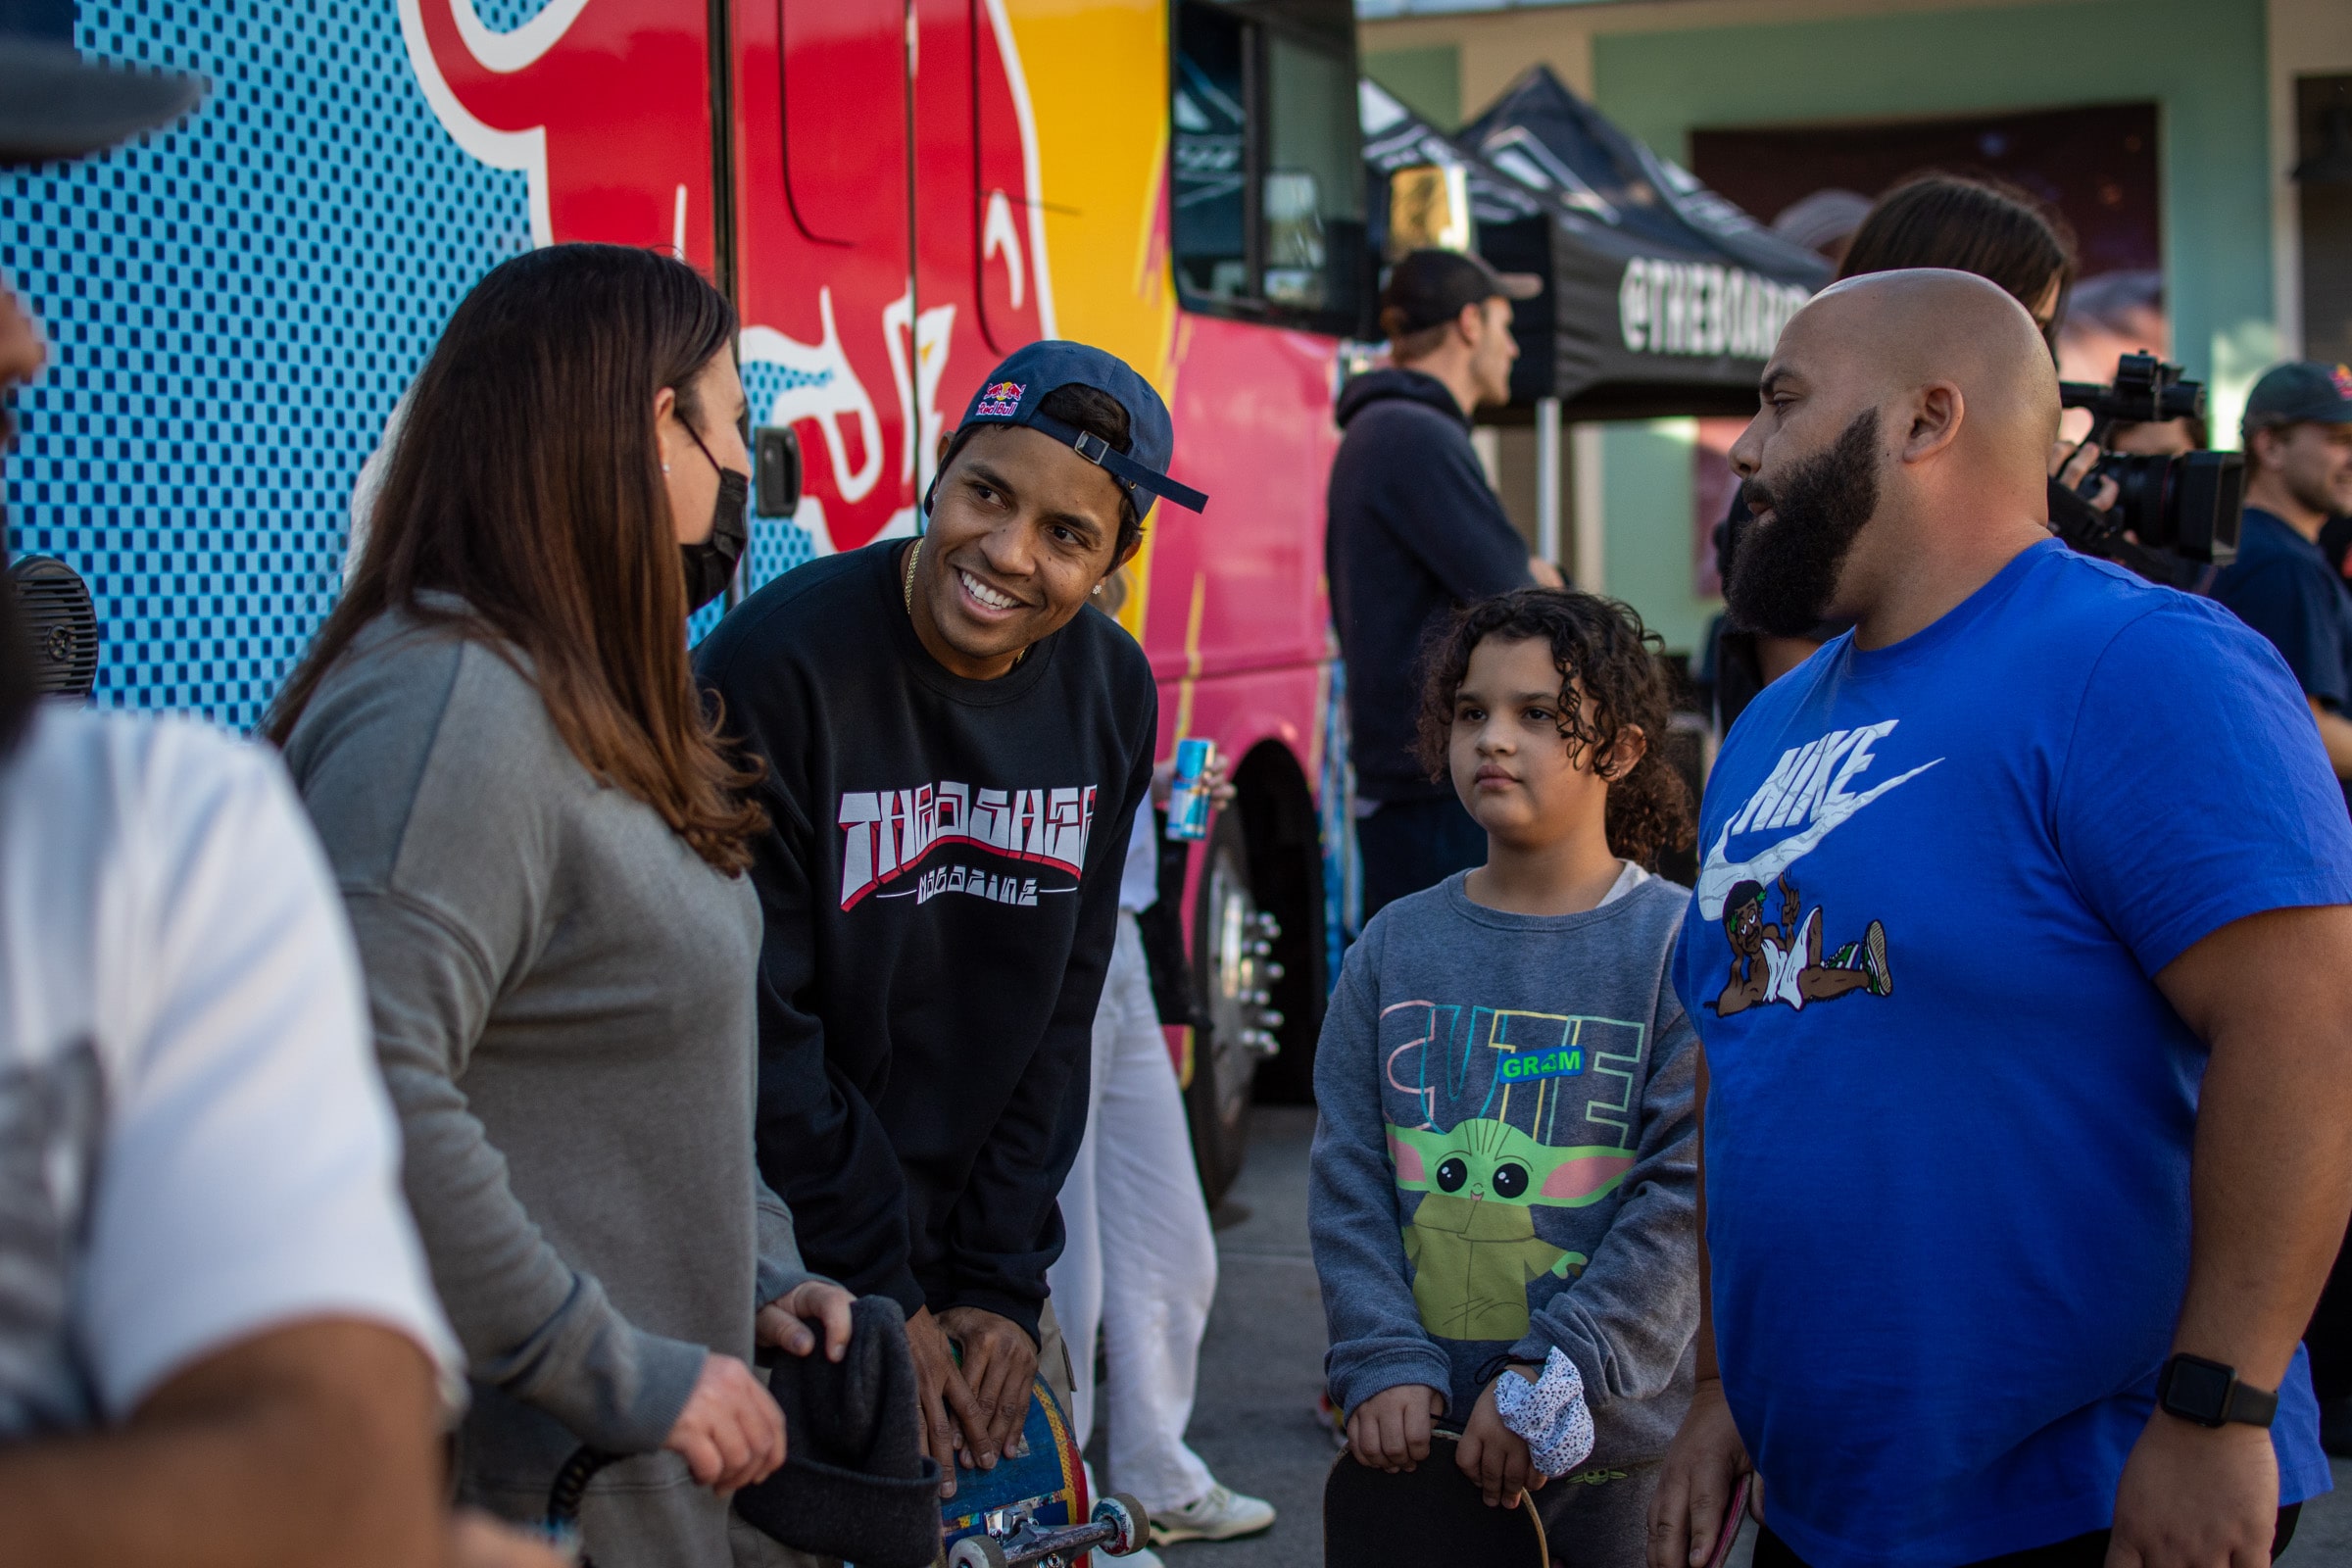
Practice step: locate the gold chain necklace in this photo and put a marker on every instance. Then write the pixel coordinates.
(914, 552)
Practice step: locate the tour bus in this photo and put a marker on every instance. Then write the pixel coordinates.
(896, 193)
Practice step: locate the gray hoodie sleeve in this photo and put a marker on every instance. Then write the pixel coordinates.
(1628, 1320)
(1377, 1341)
(446, 904)
(782, 1270)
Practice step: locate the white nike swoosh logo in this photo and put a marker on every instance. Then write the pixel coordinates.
(1717, 876)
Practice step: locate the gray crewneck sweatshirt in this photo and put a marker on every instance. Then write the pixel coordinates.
(1506, 1158)
(562, 1000)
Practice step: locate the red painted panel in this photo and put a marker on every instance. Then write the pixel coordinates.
(614, 93)
(1254, 430)
(844, 120)
(831, 341)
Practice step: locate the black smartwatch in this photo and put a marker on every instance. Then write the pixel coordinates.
(2210, 1395)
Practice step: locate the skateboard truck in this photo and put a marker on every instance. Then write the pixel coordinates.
(1015, 1540)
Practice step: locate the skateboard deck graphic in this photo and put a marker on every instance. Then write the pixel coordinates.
(1431, 1516)
(1032, 1508)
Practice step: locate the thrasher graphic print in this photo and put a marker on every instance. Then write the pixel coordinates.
(888, 833)
(1809, 792)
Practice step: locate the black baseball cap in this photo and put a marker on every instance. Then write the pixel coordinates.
(2300, 390)
(1432, 286)
(1011, 394)
(53, 104)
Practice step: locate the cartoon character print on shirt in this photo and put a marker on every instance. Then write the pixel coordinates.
(1808, 793)
(1472, 1242)
(1513, 1105)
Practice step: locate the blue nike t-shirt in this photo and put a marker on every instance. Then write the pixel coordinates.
(1949, 1129)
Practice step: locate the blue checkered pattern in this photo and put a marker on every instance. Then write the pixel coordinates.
(232, 308)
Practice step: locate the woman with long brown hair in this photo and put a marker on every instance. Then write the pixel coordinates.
(541, 847)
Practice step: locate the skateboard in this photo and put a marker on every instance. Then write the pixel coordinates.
(1431, 1516)
(1032, 1507)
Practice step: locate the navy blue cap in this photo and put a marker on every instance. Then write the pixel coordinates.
(1012, 392)
(2300, 390)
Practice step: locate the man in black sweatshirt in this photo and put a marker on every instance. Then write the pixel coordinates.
(1414, 531)
(954, 748)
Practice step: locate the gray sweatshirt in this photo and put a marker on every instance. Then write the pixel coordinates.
(562, 1000)
(1507, 1159)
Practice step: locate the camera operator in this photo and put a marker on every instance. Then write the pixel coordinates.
(2298, 444)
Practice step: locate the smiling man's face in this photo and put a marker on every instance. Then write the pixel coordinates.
(1021, 531)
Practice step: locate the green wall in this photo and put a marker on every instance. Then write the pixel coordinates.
(2201, 61)
(1428, 81)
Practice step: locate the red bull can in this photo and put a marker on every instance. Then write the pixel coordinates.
(1187, 796)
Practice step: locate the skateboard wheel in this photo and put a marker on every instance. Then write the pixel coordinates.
(1125, 1515)
(979, 1552)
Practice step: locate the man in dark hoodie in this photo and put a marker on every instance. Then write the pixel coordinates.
(1417, 530)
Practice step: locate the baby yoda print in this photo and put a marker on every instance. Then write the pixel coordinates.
(1472, 1240)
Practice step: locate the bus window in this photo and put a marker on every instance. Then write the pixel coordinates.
(1211, 155)
(1268, 216)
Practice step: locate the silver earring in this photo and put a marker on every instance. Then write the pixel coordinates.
(665, 468)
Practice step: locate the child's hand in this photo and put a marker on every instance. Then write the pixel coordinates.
(1493, 1455)
(1389, 1431)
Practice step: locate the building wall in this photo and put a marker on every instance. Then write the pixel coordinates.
(1661, 70)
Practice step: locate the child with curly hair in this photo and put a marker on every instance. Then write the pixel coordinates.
(1503, 1187)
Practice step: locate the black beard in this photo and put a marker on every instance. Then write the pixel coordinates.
(1786, 572)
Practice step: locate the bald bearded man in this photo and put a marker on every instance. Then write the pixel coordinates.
(2068, 845)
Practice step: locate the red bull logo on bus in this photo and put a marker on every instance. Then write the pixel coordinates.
(877, 282)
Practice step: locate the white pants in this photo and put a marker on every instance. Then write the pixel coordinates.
(1141, 1266)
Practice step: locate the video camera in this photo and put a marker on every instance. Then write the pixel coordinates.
(2175, 517)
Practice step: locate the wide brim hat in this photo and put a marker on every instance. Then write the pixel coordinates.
(54, 104)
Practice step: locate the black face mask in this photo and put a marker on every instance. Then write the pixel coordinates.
(711, 563)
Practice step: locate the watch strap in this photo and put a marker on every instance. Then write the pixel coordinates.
(2250, 1405)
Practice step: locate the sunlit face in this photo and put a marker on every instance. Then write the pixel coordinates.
(1511, 766)
(2311, 462)
(1491, 355)
(690, 477)
(1022, 529)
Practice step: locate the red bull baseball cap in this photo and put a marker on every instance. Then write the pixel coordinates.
(2300, 391)
(1011, 394)
(54, 104)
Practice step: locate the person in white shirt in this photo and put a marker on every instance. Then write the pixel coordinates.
(218, 1343)
(1139, 1266)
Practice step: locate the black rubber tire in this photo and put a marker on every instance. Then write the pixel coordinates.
(1224, 1067)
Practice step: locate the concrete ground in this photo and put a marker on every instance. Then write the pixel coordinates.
(1262, 1367)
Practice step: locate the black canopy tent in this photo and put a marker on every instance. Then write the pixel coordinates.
(1660, 297)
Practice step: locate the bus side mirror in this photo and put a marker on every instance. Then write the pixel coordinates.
(775, 471)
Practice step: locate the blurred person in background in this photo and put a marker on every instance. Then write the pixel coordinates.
(542, 850)
(2297, 433)
(1414, 532)
(1139, 1270)
(1966, 224)
(218, 1344)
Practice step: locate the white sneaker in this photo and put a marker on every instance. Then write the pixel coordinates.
(1220, 1515)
